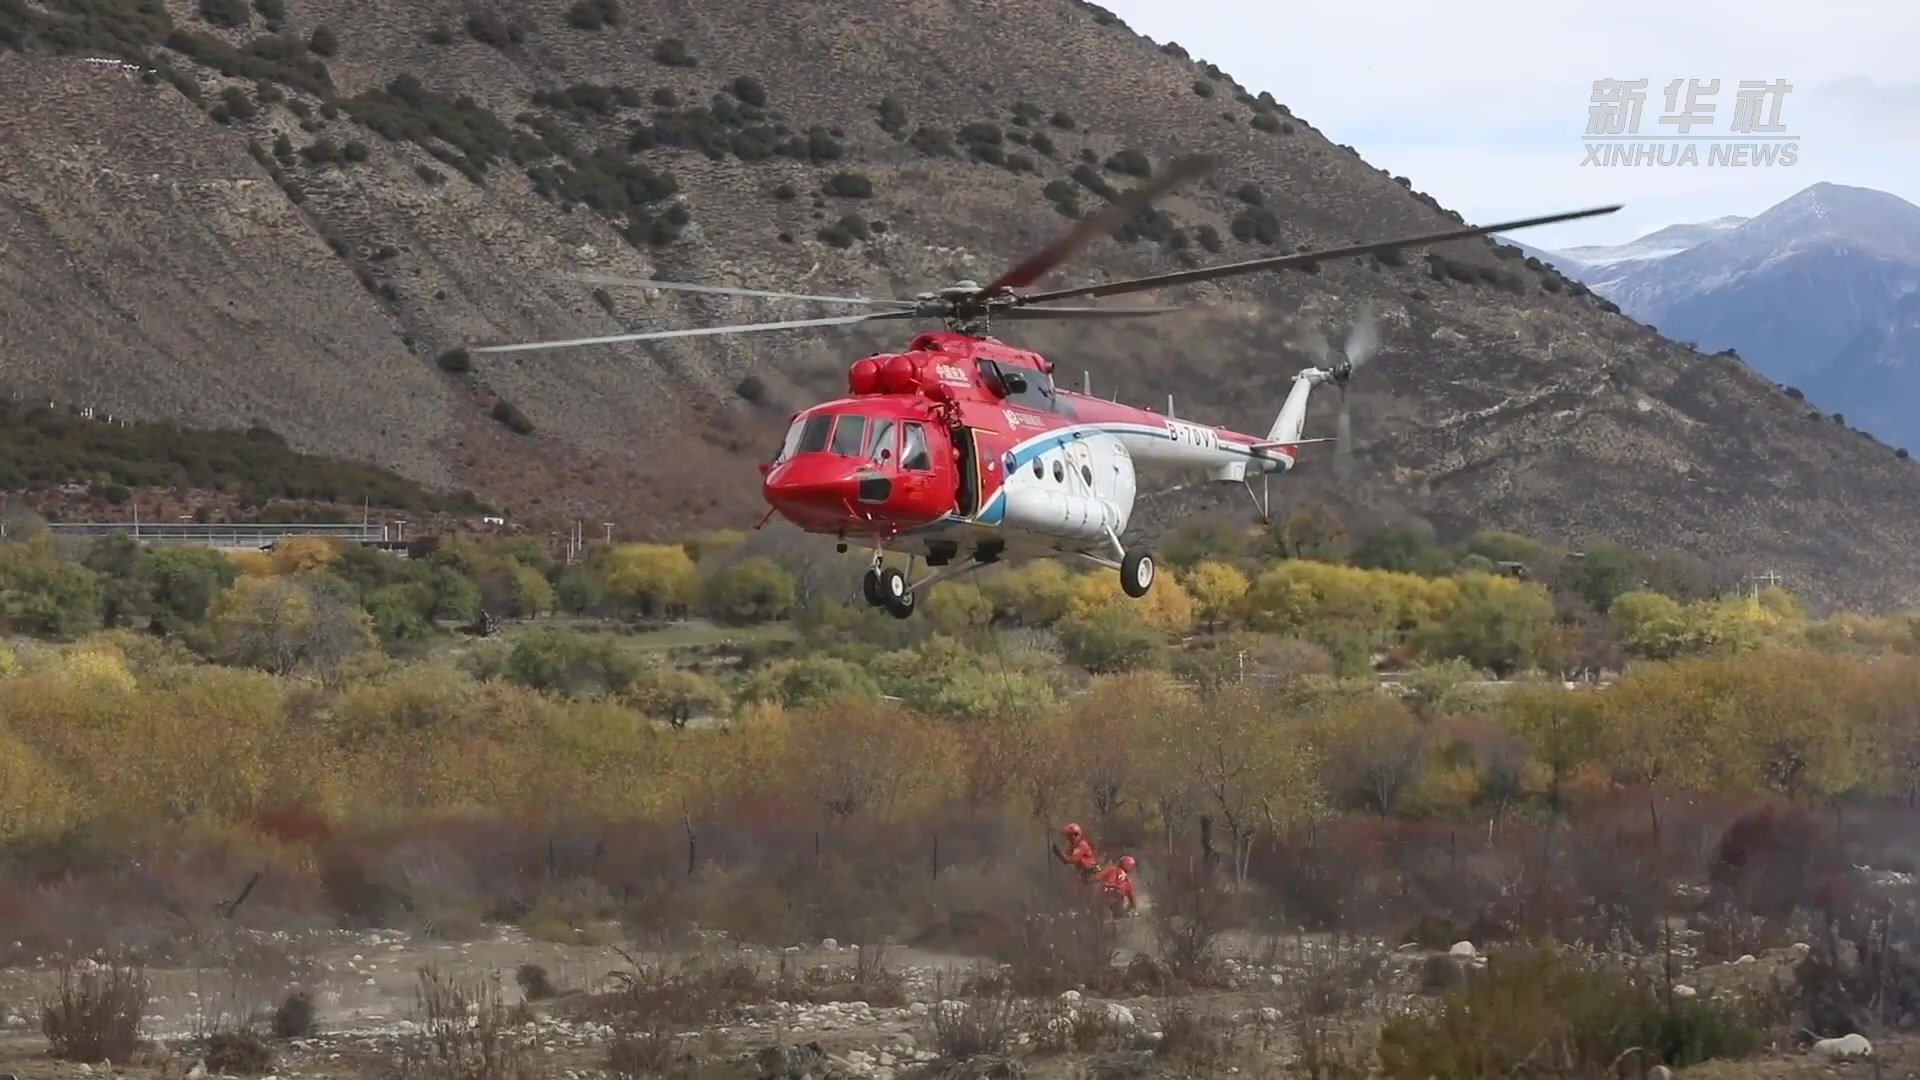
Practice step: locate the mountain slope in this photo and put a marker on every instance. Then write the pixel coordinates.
(303, 247)
(1812, 293)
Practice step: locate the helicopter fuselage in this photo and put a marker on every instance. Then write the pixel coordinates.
(963, 444)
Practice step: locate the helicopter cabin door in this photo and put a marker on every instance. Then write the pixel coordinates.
(966, 455)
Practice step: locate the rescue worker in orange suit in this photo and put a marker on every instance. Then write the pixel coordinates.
(1079, 853)
(1116, 886)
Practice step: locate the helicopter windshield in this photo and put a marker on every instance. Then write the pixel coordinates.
(808, 435)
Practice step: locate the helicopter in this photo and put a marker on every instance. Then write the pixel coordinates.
(961, 451)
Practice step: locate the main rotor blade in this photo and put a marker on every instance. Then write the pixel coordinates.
(1363, 340)
(1104, 221)
(697, 331)
(1343, 440)
(1277, 262)
(725, 290)
(1082, 312)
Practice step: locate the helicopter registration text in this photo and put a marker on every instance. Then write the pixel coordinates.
(1194, 435)
(951, 374)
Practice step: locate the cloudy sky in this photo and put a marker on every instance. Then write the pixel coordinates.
(1484, 103)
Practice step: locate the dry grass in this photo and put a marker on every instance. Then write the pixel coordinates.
(95, 1015)
(467, 1032)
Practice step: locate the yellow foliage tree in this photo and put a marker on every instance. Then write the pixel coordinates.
(960, 609)
(854, 756)
(284, 626)
(650, 578)
(1034, 594)
(253, 563)
(34, 802)
(300, 554)
(1167, 607)
(1219, 590)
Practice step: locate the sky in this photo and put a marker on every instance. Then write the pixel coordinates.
(1484, 103)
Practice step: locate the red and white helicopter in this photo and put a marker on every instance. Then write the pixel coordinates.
(961, 451)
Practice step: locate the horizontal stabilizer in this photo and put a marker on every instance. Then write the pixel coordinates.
(1286, 445)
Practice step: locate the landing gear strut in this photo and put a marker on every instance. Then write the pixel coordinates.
(1135, 566)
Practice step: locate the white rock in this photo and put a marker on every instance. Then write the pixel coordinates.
(1682, 990)
(1119, 1015)
(1659, 1072)
(1269, 1015)
(918, 1008)
(1844, 1047)
(1462, 949)
(1070, 995)
(1745, 958)
(829, 944)
(1799, 950)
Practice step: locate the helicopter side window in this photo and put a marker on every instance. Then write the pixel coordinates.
(882, 448)
(850, 436)
(915, 455)
(1019, 386)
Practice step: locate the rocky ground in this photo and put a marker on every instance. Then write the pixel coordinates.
(366, 987)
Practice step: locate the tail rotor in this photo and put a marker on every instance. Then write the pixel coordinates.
(1363, 342)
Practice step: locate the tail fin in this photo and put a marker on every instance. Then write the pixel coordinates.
(1293, 412)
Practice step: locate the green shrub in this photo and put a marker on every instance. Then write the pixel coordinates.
(673, 53)
(1531, 1005)
(593, 14)
(514, 419)
(849, 185)
(893, 115)
(323, 42)
(748, 90)
(230, 14)
(1130, 162)
(488, 28)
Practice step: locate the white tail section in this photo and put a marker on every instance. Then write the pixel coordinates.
(1293, 412)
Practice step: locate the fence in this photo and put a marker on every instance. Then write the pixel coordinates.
(254, 535)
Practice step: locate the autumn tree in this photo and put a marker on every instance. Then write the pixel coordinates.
(1375, 754)
(43, 594)
(650, 579)
(1252, 769)
(805, 681)
(1494, 624)
(1219, 591)
(750, 590)
(855, 755)
(290, 625)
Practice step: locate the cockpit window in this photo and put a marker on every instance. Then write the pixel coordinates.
(882, 448)
(808, 435)
(850, 436)
(915, 455)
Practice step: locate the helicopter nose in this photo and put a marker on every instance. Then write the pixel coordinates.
(812, 485)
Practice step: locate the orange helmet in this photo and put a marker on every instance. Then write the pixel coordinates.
(1127, 863)
(1071, 832)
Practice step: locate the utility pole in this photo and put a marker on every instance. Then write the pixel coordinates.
(1770, 577)
(608, 525)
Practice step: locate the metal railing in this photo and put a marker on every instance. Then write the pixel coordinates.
(237, 535)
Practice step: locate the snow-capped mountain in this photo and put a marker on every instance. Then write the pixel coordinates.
(1820, 292)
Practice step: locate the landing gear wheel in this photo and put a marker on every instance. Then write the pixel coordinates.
(893, 593)
(870, 588)
(1136, 572)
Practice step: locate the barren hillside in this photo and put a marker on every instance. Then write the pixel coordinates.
(361, 187)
